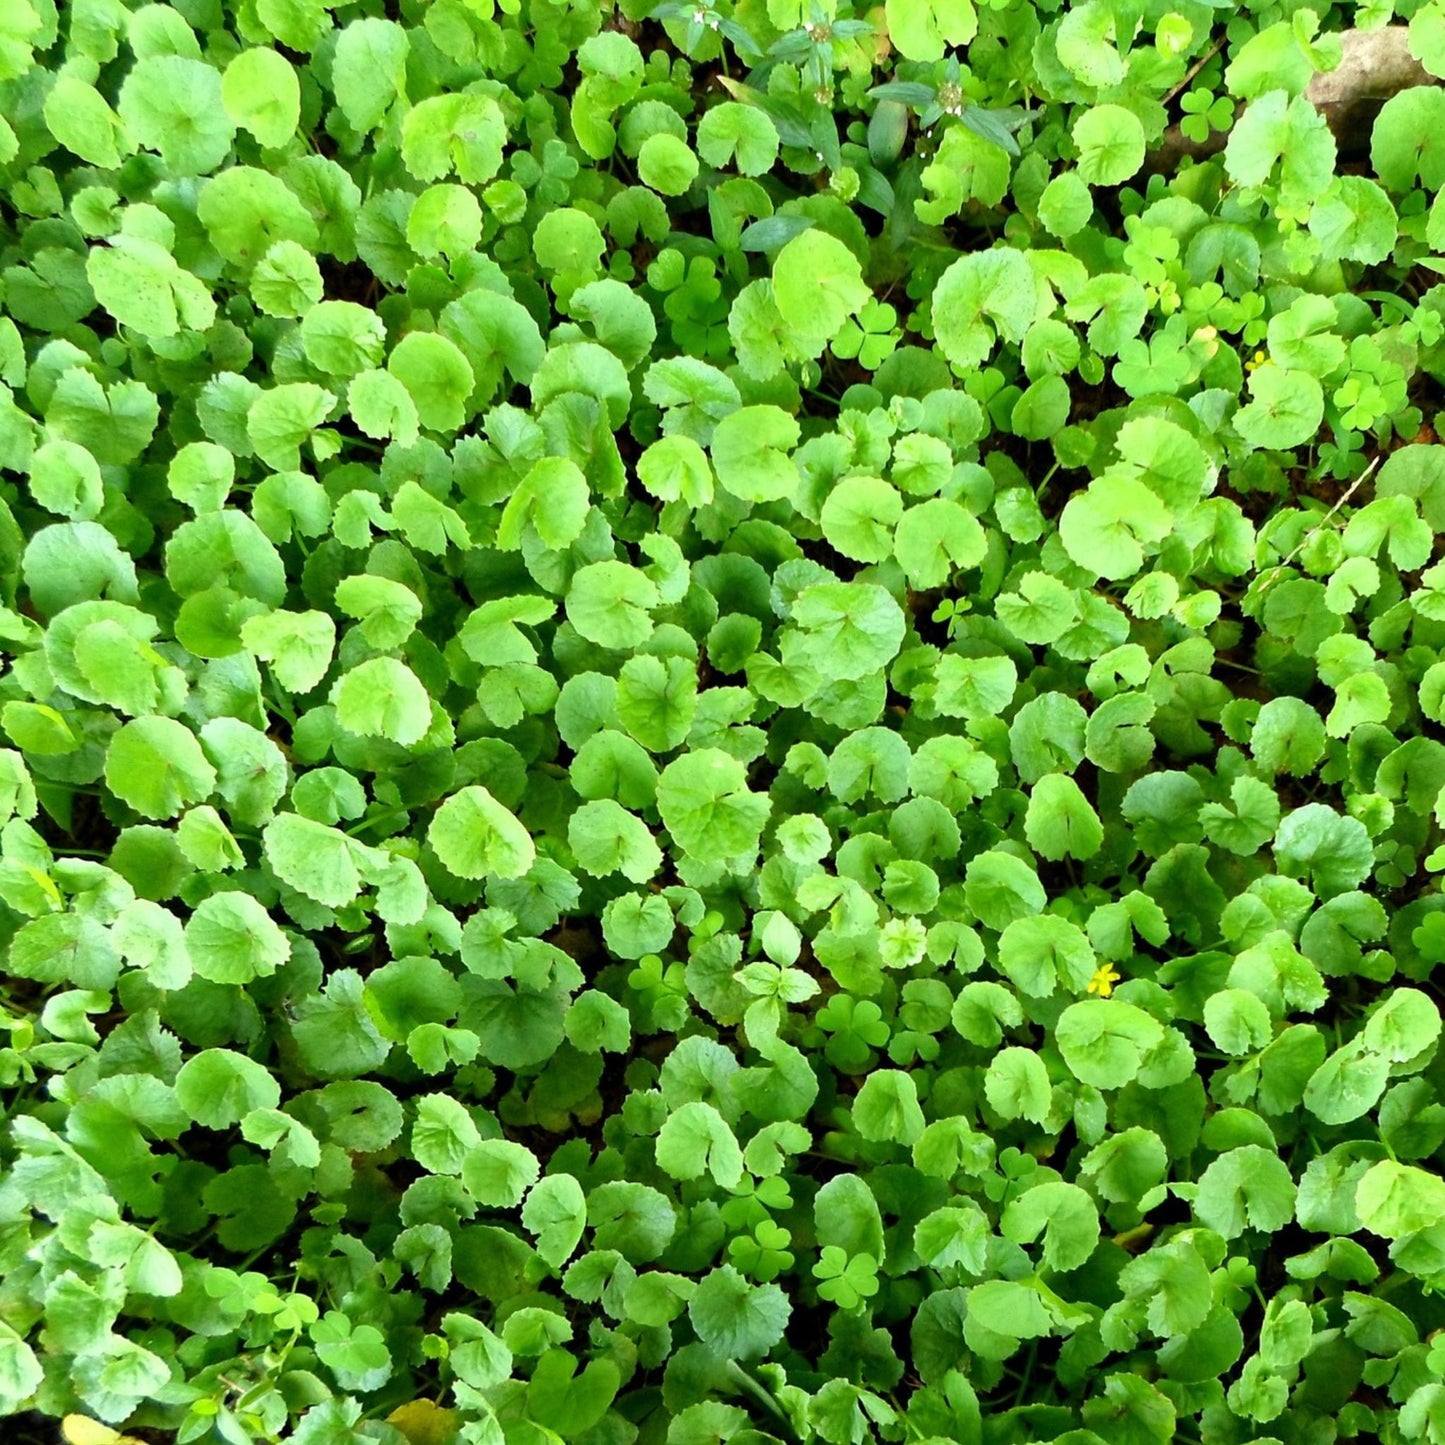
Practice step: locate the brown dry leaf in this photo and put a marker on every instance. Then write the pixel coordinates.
(1376, 65)
(424, 1422)
(82, 1430)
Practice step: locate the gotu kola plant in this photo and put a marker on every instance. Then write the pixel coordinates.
(713, 730)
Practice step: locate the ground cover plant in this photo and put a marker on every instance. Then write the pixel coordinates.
(721, 722)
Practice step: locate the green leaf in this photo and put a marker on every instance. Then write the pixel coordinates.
(556, 1212)
(552, 501)
(1046, 952)
(1331, 850)
(388, 610)
(817, 285)
(383, 698)
(1005, 1308)
(609, 602)
(437, 377)
(77, 115)
(1104, 1041)
(20, 1372)
(1247, 1187)
(298, 646)
(156, 766)
(1355, 221)
(859, 516)
(606, 838)
(983, 296)
(1109, 527)
(1279, 130)
(922, 29)
(737, 1320)
(849, 629)
(1060, 821)
(284, 417)
(1173, 1282)
(1000, 888)
(369, 70)
(665, 163)
(1395, 1200)
(1405, 142)
(476, 837)
(219, 1087)
(1016, 1085)
(231, 939)
(707, 808)
(1110, 141)
(1285, 409)
(461, 134)
(262, 95)
(173, 104)
(313, 859)
(731, 132)
(750, 453)
(381, 406)
(1404, 1027)
(936, 538)
(498, 1173)
(443, 1135)
(1063, 1214)
(695, 1139)
(65, 479)
(886, 1109)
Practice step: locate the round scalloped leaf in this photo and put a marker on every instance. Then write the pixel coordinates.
(476, 837)
(1395, 1200)
(1285, 408)
(261, 94)
(1107, 527)
(219, 1087)
(498, 1173)
(312, 858)
(859, 516)
(383, 698)
(454, 133)
(706, 806)
(173, 104)
(436, 376)
(1110, 140)
(231, 939)
(731, 132)
(1104, 1041)
(609, 603)
(983, 296)
(818, 284)
(925, 29)
(156, 766)
(735, 1319)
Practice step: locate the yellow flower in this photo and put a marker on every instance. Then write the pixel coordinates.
(1104, 979)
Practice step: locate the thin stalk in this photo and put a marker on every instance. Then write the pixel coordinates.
(1028, 1374)
(764, 1397)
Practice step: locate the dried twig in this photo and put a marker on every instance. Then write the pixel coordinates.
(1196, 68)
(1304, 541)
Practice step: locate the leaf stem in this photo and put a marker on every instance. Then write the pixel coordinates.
(1026, 1378)
(373, 819)
(763, 1396)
